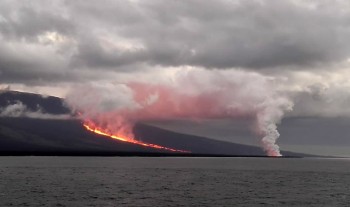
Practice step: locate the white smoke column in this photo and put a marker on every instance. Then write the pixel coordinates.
(267, 120)
(189, 93)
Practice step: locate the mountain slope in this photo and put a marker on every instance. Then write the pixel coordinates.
(40, 135)
(34, 102)
(19, 134)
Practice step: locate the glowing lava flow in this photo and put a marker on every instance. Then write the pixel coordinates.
(91, 127)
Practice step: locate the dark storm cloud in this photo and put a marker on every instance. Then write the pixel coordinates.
(223, 34)
(210, 34)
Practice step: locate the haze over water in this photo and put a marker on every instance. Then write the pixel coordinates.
(137, 181)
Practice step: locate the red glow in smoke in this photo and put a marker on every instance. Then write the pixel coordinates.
(193, 95)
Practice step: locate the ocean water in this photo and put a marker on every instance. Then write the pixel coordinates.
(136, 181)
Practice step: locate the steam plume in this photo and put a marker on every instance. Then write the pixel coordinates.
(191, 93)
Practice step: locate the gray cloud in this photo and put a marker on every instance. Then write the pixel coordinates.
(76, 41)
(19, 63)
(26, 21)
(90, 54)
(322, 101)
(224, 34)
(211, 34)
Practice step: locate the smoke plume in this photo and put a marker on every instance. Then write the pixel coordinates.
(191, 93)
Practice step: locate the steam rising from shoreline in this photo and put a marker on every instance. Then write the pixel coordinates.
(191, 93)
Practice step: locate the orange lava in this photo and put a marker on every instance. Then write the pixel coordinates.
(90, 126)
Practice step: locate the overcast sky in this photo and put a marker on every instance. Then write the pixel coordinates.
(302, 46)
(48, 46)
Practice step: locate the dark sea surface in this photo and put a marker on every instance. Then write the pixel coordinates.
(137, 181)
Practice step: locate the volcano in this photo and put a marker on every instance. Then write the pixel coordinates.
(20, 135)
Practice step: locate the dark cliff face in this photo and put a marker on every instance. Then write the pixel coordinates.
(57, 136)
